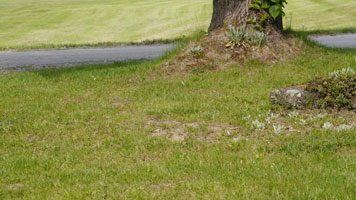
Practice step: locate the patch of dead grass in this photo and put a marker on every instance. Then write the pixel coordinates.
(178, 131)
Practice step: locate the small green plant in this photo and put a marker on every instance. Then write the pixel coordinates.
(263, 20)
(251, 21)
(260, 24)
(210, 66)
(198, 70)
(196, 51)
(238, 35)
(255, 24)
(273, 7)
(257, 38)
(337, 91)
(256, 5)
(258, 27)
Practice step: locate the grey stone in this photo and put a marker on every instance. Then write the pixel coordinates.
(291, 98)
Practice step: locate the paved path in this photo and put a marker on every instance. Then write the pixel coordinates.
(336, 41)
(29, 60)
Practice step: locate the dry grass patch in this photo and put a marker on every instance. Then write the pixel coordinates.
(179, 131)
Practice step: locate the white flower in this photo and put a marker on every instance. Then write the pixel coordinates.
(271, 116)
(344, 127)
(320, 116)
(328, 126)
(268, 120)
(274, 115)
(277, 129)
(303, 122)
(247, 117)
(258, 125)
(235, 139)
(343, 71)
(293, 114)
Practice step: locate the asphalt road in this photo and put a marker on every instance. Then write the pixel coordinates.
(31, 60)
(336, 41)
(37, 59)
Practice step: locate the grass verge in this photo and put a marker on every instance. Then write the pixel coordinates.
(127, 130)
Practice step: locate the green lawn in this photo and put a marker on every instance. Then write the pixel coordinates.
(135, 131)
(47, 23)
(25, 23)
(320, 14)
(114, 132)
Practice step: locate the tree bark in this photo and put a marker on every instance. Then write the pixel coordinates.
(236, 12)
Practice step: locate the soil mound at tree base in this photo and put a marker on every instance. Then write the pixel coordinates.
(213, 53)
(240, 30)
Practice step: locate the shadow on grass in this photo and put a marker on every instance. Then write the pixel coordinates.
(124, 66)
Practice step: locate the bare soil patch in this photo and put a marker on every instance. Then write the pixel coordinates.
(216, 55)
(179, 131)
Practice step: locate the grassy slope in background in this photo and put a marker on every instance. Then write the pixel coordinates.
(35, 23)
(42, 23)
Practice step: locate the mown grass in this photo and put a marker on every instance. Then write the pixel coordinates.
(309, 15)
(43, 23)
(89, 132)
(69, 23)
(83, 133)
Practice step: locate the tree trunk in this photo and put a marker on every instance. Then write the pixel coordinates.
(237, 12)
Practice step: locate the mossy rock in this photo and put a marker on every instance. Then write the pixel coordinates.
(335, 92)
(292, 98)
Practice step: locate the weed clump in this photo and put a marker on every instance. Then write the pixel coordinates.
(196, 52)
(239, 35)
(336, 91)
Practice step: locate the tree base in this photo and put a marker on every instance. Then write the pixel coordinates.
(214, 51)
(214, 54)
(238, 13)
